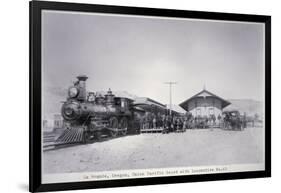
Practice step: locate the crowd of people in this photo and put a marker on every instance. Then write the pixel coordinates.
(175, 123)
(165, 122)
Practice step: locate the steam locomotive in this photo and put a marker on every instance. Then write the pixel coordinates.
(95, 115)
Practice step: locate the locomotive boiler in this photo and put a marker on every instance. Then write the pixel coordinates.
(96, 115)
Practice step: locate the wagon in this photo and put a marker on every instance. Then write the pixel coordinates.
(233, 120)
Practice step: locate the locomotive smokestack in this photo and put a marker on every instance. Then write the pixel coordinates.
(82, 85)
(82, 78)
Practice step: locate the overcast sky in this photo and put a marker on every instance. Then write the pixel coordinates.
(139, 54)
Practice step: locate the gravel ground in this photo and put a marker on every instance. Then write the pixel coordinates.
(192, 148)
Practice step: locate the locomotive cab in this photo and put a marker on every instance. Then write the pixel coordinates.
(124, 104)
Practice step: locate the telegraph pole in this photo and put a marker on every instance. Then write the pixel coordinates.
(170, 86)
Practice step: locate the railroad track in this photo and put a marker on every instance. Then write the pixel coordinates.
(67, 138)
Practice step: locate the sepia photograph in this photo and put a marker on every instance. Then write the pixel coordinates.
(130, 96)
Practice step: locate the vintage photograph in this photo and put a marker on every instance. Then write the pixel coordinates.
(144, 93)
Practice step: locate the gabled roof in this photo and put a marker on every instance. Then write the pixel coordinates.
(205, 93)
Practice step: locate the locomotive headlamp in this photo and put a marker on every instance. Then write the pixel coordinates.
(68, 111)
(73, 92)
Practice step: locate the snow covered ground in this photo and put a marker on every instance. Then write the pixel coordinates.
(192, 148)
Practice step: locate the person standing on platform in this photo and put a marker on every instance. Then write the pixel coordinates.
(154, 122)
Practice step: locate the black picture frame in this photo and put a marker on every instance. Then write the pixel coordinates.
(36, 7)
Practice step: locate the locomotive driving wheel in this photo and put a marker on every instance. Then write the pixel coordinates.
(89, 137)
(123, 126)
(113, 125)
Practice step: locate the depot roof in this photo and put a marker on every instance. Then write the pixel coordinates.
(204, 94)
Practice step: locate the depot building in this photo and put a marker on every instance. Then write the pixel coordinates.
(204, 104)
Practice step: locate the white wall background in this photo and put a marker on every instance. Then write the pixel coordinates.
(14, 94)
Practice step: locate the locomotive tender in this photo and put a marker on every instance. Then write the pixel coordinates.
(98, 115)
